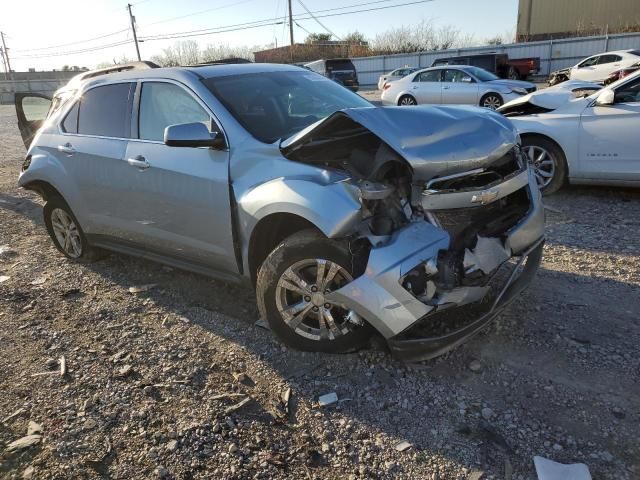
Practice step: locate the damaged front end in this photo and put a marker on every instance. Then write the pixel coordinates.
(451, 219)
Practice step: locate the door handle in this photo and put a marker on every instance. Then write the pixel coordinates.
(138, 162)
(67, 148)
(445, 88)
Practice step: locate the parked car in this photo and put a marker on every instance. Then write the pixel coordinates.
(340, 70)
(454, 85)
(498, 63)
(343, 216)
(597, 68)
(623, 72)
(394, 75)
(585, 140)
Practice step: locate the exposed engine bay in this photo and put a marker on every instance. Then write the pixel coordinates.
(462, 212)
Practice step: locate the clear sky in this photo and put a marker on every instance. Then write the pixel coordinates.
(30, 25)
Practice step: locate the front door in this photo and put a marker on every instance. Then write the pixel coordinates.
(178, 200)
(459, 88)
(425, 87)
(609, 140)
(31, 110)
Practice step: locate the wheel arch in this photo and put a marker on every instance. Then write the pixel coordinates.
(550, 139)
(44, 189)
(268, 233)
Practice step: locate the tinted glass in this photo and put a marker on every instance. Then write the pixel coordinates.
(339, 65)
(635, 52)
(430, 76)
(70, 123)
(275, 105)
(609, 59)
(629, 93)
(106, 111)
(164, 104)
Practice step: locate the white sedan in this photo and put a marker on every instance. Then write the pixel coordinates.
(394, 75)
(598, 67)
(585, 140)
(460, 84)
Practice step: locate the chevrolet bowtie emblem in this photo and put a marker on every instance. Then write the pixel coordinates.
(486, 196)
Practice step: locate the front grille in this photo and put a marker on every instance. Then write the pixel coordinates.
(496, 173)
(491, 220)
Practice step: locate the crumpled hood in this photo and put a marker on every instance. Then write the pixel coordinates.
(434, 140)
(553, 97)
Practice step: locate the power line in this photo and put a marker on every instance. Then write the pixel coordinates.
(318, 21)
(73, 43)
(268, 22)
(200, 12)
(76, 52)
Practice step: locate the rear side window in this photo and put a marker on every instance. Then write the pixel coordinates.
(609, 59)
(70, 122)
(430, 76)
(340, 65)
(106, 111)
(164, 104)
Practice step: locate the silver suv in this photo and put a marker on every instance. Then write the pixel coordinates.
(419, 223)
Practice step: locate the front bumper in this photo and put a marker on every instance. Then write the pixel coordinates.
(379, 296)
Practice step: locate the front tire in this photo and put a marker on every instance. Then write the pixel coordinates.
(407, 101)
(290, 290)
(66, 233)
(548, 162)
(492, 101)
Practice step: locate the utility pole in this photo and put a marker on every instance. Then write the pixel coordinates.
(291, 31)
(5, 59)
(133, 28)
(4, 63)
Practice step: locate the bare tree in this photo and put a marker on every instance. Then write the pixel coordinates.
(220, 52)
(317, 37)
(424, 36)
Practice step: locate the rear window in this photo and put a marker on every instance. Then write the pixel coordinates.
(635, 52)
(106, 111)
(339, 65)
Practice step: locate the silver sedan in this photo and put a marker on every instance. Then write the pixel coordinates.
(463, 84)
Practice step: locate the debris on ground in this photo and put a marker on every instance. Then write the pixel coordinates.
(23, 443)
(549, 470)
(142, 288)
(402, 446)
(327, 399)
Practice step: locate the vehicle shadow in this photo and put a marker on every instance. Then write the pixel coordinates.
(535, 343)
(22, 205)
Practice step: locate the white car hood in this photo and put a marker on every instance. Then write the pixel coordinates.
(553, 97)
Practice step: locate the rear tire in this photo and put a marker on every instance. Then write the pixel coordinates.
(298, 315)
(407, 101)
(513, 74)
(66, 233)
(491, 100)
(539, 151)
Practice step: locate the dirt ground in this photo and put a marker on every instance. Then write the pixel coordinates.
(156, 380)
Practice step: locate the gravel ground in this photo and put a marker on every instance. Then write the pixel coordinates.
(155, 381)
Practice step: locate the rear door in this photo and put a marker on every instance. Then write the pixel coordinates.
(31, 110)
(426, 87)
(93, 142)
(177, 198)
(459, 88)
(606, 64)
(609, 140)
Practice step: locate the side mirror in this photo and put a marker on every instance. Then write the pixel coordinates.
(192, 135)
(607, 97)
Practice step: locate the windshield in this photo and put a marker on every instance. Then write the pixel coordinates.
(275, 105)
(481, 74)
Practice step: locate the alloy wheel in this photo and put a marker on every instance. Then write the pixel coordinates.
(66, 232)
(407, 101)
(544, 165)
(300, 299)
(492, 101)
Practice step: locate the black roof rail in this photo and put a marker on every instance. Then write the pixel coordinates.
(224, 61)
(123, 67)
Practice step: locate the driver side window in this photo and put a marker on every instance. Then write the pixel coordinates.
(164, 104)
(589, 62)
(629, 93)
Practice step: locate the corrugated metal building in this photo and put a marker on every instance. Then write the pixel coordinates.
(544, 19)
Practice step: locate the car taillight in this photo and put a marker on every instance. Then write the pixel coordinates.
(386, 86)
(26, 162)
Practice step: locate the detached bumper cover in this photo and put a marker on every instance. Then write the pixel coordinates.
(414, 349)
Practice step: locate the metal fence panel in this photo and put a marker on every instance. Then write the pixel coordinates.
(553, 54)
